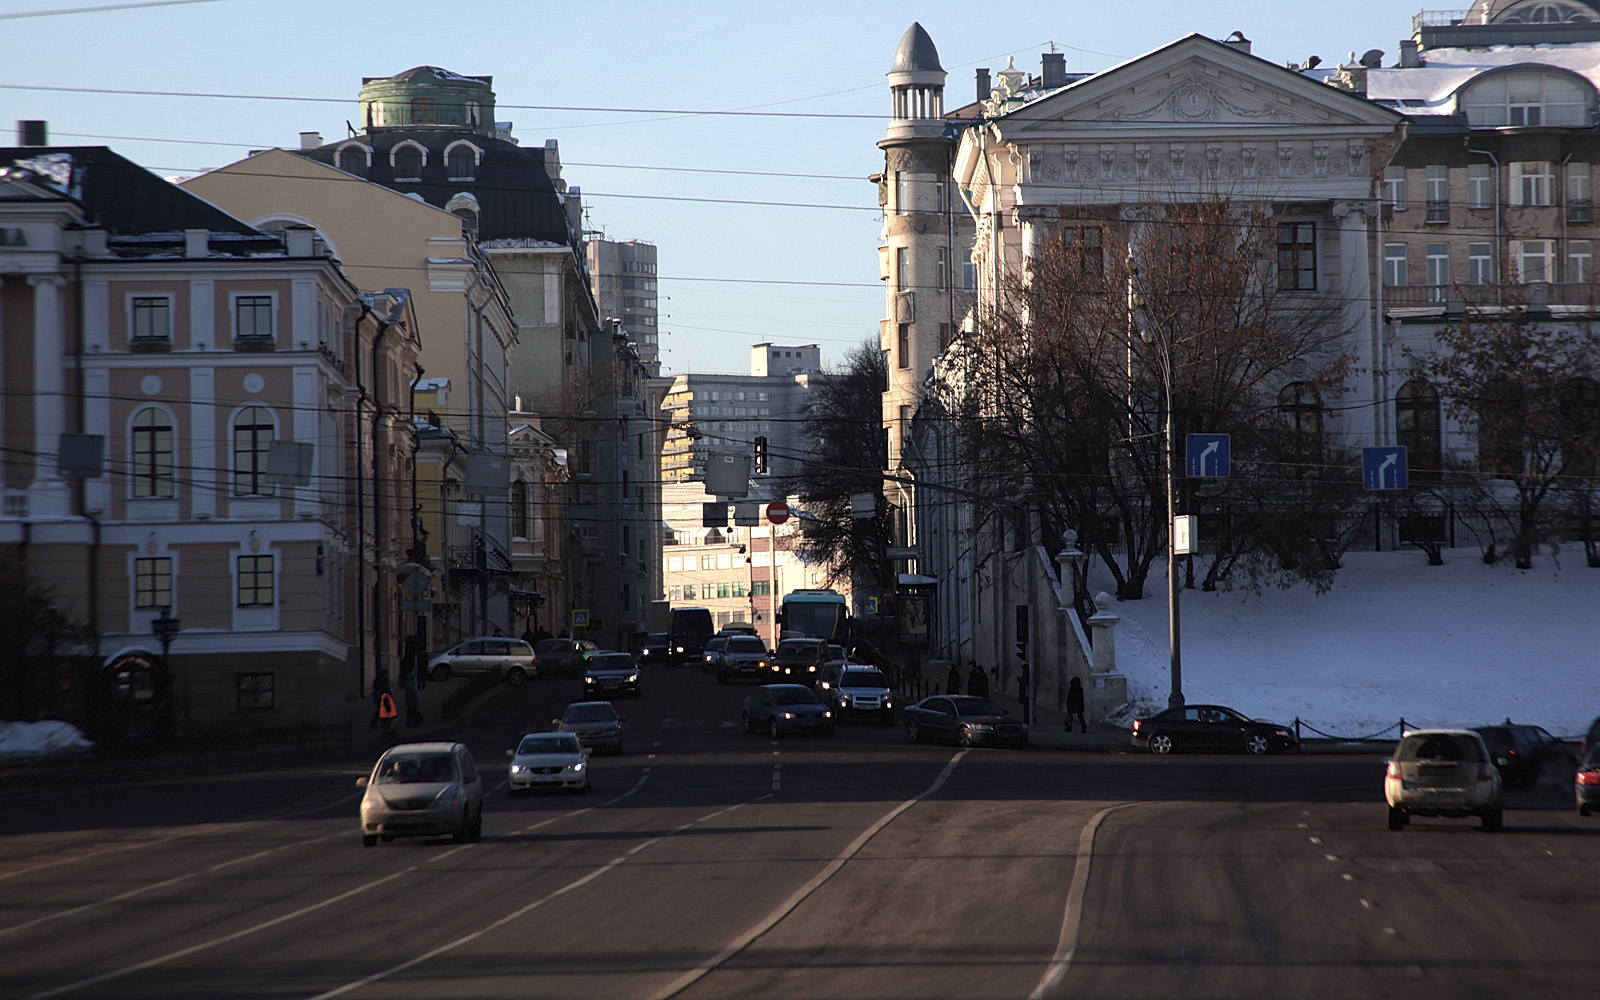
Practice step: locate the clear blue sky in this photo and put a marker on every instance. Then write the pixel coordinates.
(820, 58)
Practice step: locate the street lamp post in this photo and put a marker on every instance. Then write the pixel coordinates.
(1174, 641)
(166, 629)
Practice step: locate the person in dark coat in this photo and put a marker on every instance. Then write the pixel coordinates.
(380, 687)
(1075, 706)
(977, 681)
(952, 682)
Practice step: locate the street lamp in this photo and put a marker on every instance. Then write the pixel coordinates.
(166, 629)
(1175, 696)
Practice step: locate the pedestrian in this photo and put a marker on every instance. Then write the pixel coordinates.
(528, 636)
(952, 684)
(977, 680)
(380, 687)
(1075, 706)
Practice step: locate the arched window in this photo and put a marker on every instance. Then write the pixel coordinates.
(1527, 99)
(354, 159)
(1416, 422)
(1500, 429)
(519, 510)
(461, 162)
(424, 111)
(253, 429)
(408, 163)
(1300, 408)
(152, 453)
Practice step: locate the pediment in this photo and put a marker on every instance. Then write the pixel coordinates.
(1197, 83)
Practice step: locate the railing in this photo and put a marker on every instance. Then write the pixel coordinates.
(1438, 18)
(1533, 294)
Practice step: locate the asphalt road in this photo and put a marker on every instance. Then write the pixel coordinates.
(708, 863)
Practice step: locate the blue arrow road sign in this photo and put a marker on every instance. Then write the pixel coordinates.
(1207, 456)
(1384, 468)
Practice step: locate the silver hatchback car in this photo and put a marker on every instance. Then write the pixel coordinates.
(1442, 772)
(422, 790)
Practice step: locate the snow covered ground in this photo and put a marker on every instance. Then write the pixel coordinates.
(1463, 644)
(35, 740)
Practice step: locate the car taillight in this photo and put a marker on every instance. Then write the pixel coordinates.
(1136, 724)
(1485, 774)
(1589, 777)
(1393, 770)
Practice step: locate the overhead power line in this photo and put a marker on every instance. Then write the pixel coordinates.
(99, 8)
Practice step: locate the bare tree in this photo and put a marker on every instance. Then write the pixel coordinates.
(844, 453)
(1061, 394)
(1530, 387)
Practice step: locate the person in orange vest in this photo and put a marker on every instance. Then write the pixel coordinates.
(383, 709)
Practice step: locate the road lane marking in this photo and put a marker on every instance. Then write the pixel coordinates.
(95, 905)
(510, 917)
(225, 939)
(783, 909)
(503, 783)
(1067, 943)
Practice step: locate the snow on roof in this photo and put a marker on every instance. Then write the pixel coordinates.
(1430, 89)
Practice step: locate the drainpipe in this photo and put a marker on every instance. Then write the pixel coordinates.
(361, 521)
(379, 596)
(1562, 202)
(83, 485)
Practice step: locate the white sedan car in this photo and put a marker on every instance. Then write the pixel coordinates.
(549, 760)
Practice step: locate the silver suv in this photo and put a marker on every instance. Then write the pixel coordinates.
(511, 658)
(860, 690)
(743, 656)
(1442, 772)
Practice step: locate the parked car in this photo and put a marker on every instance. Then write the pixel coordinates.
(1210, 728)
(1522, 752)
(596, 724)
(798, 661)
(742, 656)
(1442, 772)
(422, 790)
(1591, 737)
(513, 659)
(1586, 784)
(548, 760)
(561, 657)
(860, 692)
(780, 709)
(654, 651)
(965, 720)
(608, 674)
(708, 659)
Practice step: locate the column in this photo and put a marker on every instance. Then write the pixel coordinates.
(1355, 268)
(50, 495)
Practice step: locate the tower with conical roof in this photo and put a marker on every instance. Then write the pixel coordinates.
(917, 263)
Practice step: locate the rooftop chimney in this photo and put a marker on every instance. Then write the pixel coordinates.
(310, 140)
(1408, 54)
(1053, 70)
(196, 243)
(1238, 41)
(32, 133)
(984, 88)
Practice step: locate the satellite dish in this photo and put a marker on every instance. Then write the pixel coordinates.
(1372, 58)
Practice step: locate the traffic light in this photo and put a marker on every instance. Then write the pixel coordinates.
(761, 454)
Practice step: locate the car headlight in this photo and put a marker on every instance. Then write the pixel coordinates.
(517, 769)
(576, 768)
(812, 668)
(680, 649)
(787, 670)
(788, 715)
(827, 715)
(980, 728)
(844, 700)
(887, 703)
(633, 677)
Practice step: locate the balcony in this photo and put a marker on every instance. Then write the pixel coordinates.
(1534, 295)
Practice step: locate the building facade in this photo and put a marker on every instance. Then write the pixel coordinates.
(622, 275)
(706, 414)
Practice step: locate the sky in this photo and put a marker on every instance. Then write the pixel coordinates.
(1463, 644)
(767, 227)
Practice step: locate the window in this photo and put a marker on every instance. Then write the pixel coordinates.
(1438, 268)
(1394, 264)
(1517, 99)
(1579, 402)
(1416, 412)
(461, 163)
(1533, 260)
(761, 588)
(1499, 431)
(688, 592)
(1093, 252)
(424, 111)
(519, 510)
(1438, 193)
(738, 589)
(724, 589)
(354, 159)
(1394, 187)
(253, 430)
(252, 317)
(152, 319)
(1301, 412)
(708, 562)
(902, 268)
(152, 454)
(1531, 181)
(675, 564)
(152, 582)
(969, 275)
(903, 346)
(1480, 186)
(1580, 261)
(1580, 204)
(944, 269)
(253, 692)
(902, 193)
(674, 593)
(255, 581)
(407, 162)
(1480, 263)
(1297, 256)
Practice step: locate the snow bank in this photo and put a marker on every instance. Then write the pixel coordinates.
(33, 740)
(1463, 644)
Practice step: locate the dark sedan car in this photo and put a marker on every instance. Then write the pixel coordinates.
(607, 674)
(964, 720)
(1587, 783)
(1210, 728)
(654, 651)
(1523, 752)
(778, 709)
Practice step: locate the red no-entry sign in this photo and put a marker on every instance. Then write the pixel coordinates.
(777, 512)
